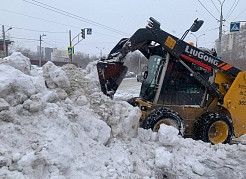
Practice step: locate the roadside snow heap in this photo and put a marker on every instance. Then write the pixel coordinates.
(58, 124)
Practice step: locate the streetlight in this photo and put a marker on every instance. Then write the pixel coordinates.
(40, 48)
(4, 43)
(100, 51)
(197, 37)
(221, 24)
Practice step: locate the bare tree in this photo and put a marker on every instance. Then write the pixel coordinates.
(83, 59)
(16, 47)
(135, 62)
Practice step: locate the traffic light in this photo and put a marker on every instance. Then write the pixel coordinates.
(83, 33)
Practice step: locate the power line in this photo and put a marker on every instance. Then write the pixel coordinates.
(40, 19)
(26, 41)
(24, 38)
(230, 13)
(45, 42)
(51, 22)
(57, 43)
(210, 29)
(40, 31)
(215, 6)
(230, 9)
(53, 41)
(208, 10)
(44, 31)
(68, 14)
(87, 20)
(239, 14)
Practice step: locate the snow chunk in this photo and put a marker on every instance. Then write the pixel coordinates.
(145, 135)
(163, 158)
(61, 93)
(55, 77)
(4, 161)
(6, 116)
(34, 104)
(3, 105)
(32, 163)
(50, 97)
(16, 157)
(15, 86)
(26, 160)
(91, 70)
(97, 130)
(18, 61)
(198, 168)
(131, 123)
(82, 100)
(168, 135)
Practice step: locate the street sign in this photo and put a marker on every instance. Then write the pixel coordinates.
(70, 50)
(235, 26)
(89, 31)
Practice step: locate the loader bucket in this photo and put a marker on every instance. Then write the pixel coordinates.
(110, 76)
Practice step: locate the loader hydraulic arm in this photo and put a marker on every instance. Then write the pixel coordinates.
(181, 49)
(144, 39)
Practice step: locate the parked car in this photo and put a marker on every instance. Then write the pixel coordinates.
(130, 74)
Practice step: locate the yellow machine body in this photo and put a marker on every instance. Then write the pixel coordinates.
(235, 103)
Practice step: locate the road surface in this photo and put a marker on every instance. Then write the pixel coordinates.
(128, 88)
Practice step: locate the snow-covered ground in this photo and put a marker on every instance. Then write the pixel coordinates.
(55, 123)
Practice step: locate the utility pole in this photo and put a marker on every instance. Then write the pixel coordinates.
(4, 40)
(220, 28)
(100, 51)
(4, 45)
(70, 43)
(40, 49)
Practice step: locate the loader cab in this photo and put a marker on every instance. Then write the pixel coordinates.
(179, 87)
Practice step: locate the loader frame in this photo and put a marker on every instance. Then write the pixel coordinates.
(224, 99)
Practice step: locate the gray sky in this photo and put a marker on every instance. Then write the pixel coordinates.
(108, 17)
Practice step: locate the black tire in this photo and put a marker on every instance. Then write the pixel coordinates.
(163, 116)
(214, 128)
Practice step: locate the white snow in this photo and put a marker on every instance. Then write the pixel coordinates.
(168, 135)
(163, 158)
(18, 61)
(56, 123)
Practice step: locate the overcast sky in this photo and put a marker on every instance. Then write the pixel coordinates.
(111, 20)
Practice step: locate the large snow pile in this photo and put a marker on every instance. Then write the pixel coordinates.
(59, 125)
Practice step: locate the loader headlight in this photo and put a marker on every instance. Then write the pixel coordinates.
(144, 108)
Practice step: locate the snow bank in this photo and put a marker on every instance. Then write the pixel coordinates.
(59, 125)
(18, 61)
(16, 87)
